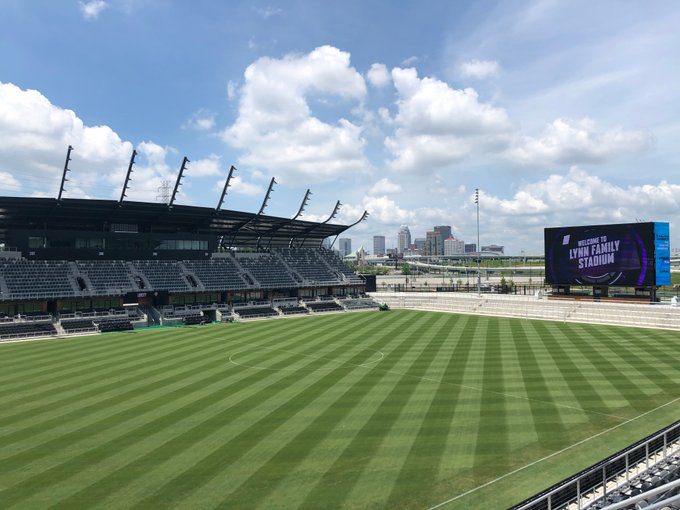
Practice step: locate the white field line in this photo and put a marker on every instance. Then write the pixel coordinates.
(382, 356)
(440, 381)
(490, 482)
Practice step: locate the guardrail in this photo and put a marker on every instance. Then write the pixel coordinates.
(595, 482)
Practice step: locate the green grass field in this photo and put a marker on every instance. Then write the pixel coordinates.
(398, 409)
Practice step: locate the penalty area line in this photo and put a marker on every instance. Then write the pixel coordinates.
(491, 482)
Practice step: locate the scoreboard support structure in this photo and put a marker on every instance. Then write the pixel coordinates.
(603, 291)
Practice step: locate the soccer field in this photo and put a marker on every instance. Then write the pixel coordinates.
(398, 409)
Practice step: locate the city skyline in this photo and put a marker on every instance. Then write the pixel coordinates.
(456, 246)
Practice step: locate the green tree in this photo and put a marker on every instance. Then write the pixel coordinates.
(504, 285)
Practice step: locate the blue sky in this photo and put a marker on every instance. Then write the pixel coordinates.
(560, 112)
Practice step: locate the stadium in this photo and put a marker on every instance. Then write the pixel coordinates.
(201, 357)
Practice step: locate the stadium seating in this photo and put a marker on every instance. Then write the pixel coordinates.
(282, 268)
(268, 270)
(359, 303)
(323, 306)
(106, 325)
(163, 275)
(309, 264)
(217, 274)
(108, 277)
(293, 310)
(192, 319)
(336, 264)
(255, 312)
(78, 325)
(36, 278)
(14, 330)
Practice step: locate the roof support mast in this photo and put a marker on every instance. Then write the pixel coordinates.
(266, 197)
(226, 186)
(363, 217)
(259, 213)
(178, 183)
(127, 177)
(63, 176)
(306, 232)
(222, 197)
(304, 203)
(264, 205)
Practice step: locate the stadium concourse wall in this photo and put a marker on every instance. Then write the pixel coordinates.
(662, 316)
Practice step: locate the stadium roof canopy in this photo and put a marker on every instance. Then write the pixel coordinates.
(237, 228)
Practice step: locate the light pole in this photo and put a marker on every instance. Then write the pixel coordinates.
(479, 248)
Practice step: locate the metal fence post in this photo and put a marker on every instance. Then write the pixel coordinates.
(647, 454)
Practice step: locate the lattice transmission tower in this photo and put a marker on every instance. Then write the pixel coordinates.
(163, 192)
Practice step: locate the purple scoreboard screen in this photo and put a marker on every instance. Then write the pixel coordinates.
(628, 254)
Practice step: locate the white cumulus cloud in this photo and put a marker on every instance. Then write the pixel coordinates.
(91, 10)
(479, 69)
(574, 198)
(438, 125)
(239, 186)
(8, 182)
(34, 135)
(566, 141)
(205, 167)
(200, 120)
(232, 87)
(385, 187)
(276, 129)
(378, 75)
(268, 11)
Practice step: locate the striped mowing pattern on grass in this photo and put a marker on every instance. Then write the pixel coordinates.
(397, 409)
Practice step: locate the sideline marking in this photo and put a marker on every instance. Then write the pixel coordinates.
(490, 482)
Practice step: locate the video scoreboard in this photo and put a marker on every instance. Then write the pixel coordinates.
(626, 254)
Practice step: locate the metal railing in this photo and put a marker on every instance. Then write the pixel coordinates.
(595, 482)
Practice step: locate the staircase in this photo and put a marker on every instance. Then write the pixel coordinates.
(153, 316)
(3, 286)
(245, 275)
(136, 272)
(60, 329)
(341, 277)
(293, 273)
(186, 272)
(76, 273)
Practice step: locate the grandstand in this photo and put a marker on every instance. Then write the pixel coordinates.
(133, 264)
